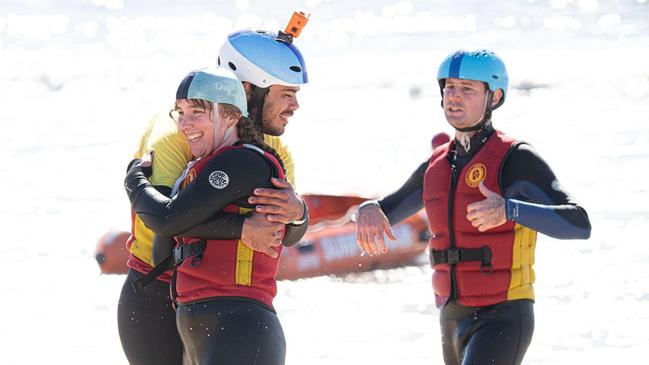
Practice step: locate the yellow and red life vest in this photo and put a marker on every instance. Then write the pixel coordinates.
(228, 268)
(511, 274)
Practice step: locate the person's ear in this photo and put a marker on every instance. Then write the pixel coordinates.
(497, 96)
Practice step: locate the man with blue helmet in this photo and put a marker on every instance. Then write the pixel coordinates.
(146, 319)
(486, 196)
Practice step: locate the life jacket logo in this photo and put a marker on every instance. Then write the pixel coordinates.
(476, 173)
(188, 179)
(219, 179)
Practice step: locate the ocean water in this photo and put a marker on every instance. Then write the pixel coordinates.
(80, 79)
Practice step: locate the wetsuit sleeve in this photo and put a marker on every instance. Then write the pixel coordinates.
(535, 199)
(407, 200)
(294, 232)
(200, 200)
(223, 226)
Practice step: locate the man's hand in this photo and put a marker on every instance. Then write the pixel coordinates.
(261, 235)
(281, 205)
(488, 213)
(371, 223)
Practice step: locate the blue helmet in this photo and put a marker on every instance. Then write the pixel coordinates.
(217, 85)
(263, 59)
(481, 65)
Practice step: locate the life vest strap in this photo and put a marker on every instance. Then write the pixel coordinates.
(194, 250)
(459, 255)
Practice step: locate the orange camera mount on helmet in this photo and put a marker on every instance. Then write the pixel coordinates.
(294, 27)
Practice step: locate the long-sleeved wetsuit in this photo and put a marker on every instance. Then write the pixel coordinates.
(534, 198)
(185, 213)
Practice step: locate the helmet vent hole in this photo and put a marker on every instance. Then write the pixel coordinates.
(296, 68)
(494, 77)
(232, 66)
(218, 61)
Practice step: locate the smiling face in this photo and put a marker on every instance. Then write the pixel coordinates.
(196, 122)
(279, 105)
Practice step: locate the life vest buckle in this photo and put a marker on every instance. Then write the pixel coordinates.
(460, 255)
(452, 256)
(194, 250)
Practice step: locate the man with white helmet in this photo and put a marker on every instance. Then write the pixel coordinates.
(486, 196)
(146, 319)
(272, 70)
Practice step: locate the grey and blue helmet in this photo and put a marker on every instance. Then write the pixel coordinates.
(218, 85)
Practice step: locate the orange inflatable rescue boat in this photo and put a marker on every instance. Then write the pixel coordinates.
(328, 247)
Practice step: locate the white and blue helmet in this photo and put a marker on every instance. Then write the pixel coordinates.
(263, 59)
(217, 85)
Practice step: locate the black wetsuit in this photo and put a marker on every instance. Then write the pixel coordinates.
(146, 322)
(501, 333)
(197, 202)
(146, 319)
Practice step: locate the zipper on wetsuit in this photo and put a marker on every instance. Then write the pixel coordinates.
(451, 232)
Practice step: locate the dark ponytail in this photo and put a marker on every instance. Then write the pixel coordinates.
(249, 133)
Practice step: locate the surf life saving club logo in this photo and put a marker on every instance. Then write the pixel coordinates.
(219, 179)
(476, 173)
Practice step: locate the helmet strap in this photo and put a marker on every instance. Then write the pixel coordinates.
(229, 136)
(486, 115)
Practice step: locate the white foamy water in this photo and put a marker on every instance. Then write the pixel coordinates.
(81, 78)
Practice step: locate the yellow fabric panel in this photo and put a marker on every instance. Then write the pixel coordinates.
(172, 152)
(170, 159)
(522, 280)
(244, 259)
(284, 154)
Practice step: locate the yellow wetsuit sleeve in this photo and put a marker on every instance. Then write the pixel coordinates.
(171, 151)
(284, 154)
(171, 155)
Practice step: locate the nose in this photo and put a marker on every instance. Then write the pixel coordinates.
(294, 105)
(452, 93)
(184, 122)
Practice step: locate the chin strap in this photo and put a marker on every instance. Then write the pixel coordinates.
(486, 116)
(228, 134)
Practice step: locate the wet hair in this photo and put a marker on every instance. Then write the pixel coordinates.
(257, 96)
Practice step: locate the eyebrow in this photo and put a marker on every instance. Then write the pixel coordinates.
(290, 89)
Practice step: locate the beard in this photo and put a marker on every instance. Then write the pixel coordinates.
(270, 129)
(269, 115)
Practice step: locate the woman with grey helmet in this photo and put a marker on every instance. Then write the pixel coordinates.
(224, 289)
(486, 196)
(146, 318)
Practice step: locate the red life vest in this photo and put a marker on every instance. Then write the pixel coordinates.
(512, 246)
(228, 268)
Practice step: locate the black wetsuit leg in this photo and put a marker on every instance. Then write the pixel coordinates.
(231, 331)
(147, 324)
(497, 334)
